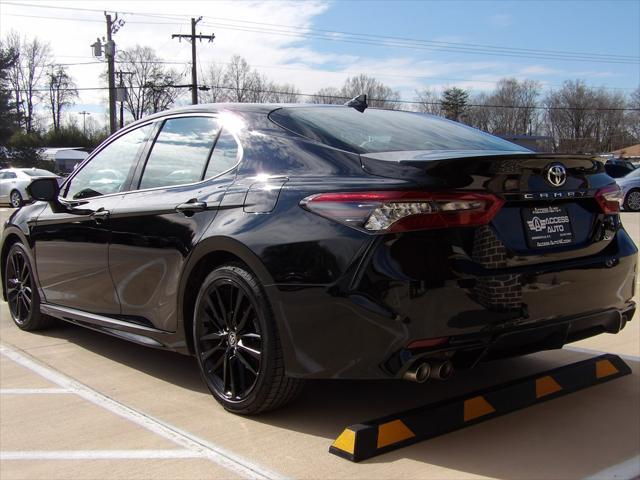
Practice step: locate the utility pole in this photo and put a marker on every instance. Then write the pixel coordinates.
(122, 95)
(194, 69)
(110, 51)
(84, 114)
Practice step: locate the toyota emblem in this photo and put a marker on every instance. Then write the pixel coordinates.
(557, 175)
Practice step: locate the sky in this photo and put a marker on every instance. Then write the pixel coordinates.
(313, 44)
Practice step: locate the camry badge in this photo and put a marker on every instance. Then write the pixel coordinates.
(557, 175)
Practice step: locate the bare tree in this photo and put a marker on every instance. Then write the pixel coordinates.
(239, 80)
(585, 119)
(213, 78)
(512, 107)
(633, 116)
(478, 115)
(150, 87)
(62, 93)
(428, 101)
(25, 75)
(329, 96)
(284, 93)
(378, 94)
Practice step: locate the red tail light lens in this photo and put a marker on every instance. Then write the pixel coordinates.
(393, 211)
(609, 198)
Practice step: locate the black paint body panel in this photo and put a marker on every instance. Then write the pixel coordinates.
(347, 303)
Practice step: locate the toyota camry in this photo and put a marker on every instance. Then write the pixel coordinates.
(278, 243)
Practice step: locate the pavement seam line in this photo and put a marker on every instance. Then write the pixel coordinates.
(97, 454)
(33, 391)
(625, 356)
(212, 452)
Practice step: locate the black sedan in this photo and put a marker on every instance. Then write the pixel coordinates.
(278, 243)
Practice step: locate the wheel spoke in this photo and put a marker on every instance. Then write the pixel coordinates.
(246, 364)
(243, 320)
(207, 353)
(214, 317)
(236, 309)
(26, 305)
(251, 351)
(225, 373)
(14, 265)
(213, 336)
(232, 381)
(18, 304)
(24, 273)
(218, 363)
(222, 309)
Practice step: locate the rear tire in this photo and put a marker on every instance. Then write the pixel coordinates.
(22, 293)
(632, 200)
(237, 345)
(15, 198)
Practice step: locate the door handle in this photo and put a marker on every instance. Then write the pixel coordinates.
(100, 215)
(191, 207)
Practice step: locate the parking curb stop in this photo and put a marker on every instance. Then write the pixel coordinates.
(371, 438)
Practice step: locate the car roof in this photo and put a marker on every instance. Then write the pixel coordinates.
(250, 108)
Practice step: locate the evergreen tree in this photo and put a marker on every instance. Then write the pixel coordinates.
(454, 103)
(8, 120)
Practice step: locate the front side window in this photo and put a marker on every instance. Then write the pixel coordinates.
(181, 152)
(109, 170)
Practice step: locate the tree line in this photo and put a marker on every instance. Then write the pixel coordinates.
(35, 92)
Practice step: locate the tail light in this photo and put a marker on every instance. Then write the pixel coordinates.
(401, 211)
(609, 198)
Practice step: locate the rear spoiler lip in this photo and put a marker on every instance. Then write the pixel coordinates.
(414, 156)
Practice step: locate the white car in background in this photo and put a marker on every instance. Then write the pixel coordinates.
(14, 182)
(630, 186)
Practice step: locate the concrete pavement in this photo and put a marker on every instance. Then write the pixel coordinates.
(79, 404)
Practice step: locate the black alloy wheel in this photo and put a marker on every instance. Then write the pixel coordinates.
(22, 295)
(236, 343)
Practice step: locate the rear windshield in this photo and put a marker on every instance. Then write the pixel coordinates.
(36, 172)
(385, 130)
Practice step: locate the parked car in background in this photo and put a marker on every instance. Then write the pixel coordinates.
(618, 168)
(14, 182)
(630, 185)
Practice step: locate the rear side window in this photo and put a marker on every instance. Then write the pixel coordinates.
(224, 156)
(181, 152)
(385, 130)
(8, 175)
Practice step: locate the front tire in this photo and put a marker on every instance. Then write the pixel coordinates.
(22, 293)
(15, 198)
(237, 345)
(632, 200)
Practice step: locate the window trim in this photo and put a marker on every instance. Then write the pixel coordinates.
(146, 153)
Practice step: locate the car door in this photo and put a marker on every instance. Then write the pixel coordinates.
(3, 189)
(155, 227)
(71, 237)
(8, 180)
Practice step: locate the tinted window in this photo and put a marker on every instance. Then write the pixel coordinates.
(8, 175)
(180, 153)
(224, 156)
(385, 130)
(108, 171)
(616, 170)
(36, 172)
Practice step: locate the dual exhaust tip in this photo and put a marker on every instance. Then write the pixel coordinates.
(420, 372)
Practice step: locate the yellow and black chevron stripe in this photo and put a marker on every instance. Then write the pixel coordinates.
(368, 439)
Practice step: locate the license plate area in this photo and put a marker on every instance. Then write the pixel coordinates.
(548, 226)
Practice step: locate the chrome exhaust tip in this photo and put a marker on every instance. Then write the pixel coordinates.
(418, 373)
(441, 369)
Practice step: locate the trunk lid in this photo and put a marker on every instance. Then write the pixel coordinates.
(550, 211)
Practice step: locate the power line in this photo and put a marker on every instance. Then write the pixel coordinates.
(388, 100)
(386, 41)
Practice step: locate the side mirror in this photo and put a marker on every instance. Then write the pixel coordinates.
(45, 189)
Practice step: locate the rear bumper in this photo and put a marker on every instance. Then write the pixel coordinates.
(361, 325)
